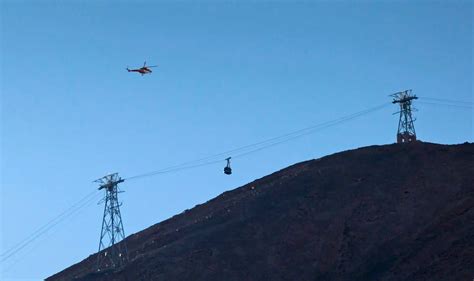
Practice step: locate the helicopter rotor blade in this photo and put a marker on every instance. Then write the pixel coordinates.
(144, 64)
(152, 66)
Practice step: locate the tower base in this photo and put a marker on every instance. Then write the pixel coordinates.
(405, 138)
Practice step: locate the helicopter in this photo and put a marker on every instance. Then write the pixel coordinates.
(143, 70)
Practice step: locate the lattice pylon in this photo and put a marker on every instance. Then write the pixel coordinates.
(111, 254)
(406, 128)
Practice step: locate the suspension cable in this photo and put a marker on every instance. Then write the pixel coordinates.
(52, 223)
(251, 148)
(464, 106)
(446, 100)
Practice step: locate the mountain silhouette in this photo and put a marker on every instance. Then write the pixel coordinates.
(389, 212)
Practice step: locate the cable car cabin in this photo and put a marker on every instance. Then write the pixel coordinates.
(228, 169)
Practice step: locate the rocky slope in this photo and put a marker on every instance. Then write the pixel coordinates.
(391, 212)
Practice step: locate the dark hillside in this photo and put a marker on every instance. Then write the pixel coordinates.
(391, 212)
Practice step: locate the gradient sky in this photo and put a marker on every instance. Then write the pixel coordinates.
(230, 74)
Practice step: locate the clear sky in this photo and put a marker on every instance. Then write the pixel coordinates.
(230, 74)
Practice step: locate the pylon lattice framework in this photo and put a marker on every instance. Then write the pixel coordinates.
(406, 128)
(113, 254)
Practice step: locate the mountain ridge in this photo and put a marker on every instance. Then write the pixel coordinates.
(385, 212)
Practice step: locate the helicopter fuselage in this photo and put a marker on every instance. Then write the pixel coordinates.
(143, 70)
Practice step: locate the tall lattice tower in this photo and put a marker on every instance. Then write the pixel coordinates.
(406, 129)
(111, 254)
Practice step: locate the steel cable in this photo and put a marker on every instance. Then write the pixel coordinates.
(260, 145)
(46, 227)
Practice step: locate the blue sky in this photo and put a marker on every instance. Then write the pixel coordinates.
(230, 74)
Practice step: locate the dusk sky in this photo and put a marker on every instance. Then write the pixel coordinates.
(230, 73)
